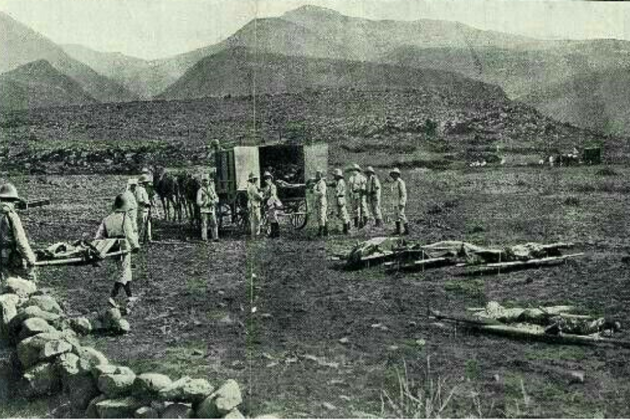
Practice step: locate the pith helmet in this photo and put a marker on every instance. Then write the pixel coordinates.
(9, 192)
(121, 204)
(205, 177)
(355, 167)
(144, 179)
(337, 173)
(370, 170)
(252, 176)
(395, 171)
(146, 170)
(132, 181)
(267, 174)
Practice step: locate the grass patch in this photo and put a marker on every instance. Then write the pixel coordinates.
(472, 287)
(556, 353)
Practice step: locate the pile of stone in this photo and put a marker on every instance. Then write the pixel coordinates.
(44, 356)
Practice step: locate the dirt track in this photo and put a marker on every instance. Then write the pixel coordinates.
(195, 313)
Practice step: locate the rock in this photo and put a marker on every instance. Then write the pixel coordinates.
(81, 326)
(344, 340)
(576, 377)
(122, 326)
(116, 384)
(221, 402)
(8, 311)
(54, 348)
(177, 411)
(20, 287)
(234, 414)
(146, 413)
(40, 380)
(45, 303)
(9, 373)
(30, 312)
(91, 412)
(34, 326)
(187, 389)
(149, 385)
(80, 388)
(92, 356)
(68, 364)
(29, 350)
(98, 370)
(111, 317)
(329, 406)
(117, 408)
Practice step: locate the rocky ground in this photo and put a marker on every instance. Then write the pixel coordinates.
(307, 338)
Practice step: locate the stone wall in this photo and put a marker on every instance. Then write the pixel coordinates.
(41, 354)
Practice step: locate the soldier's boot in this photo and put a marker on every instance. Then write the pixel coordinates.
(406, 231)
(326, 230)
(397, 232)
(346, 228)
(356, 222)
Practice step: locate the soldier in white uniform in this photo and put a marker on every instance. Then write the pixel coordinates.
(130, 197)
(16, 256)
(321, 203)
(400, 201)
(207, 200)
(272, 204)
(144, 206)
(254, 201)
(340, 200)
(357, 185)
(374, 196)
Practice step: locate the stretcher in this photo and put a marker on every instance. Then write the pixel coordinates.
(82, 252)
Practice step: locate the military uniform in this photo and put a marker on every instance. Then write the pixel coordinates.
(399, 190)
(144, 205)
(357, 185)
(207, 200)
(254, 201)
(321, 205)
(373, 190)
(273, 205)
(133, 207)
(119, 225)
(340, 200)
(16, 256)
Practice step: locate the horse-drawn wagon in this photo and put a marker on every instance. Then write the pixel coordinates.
(292, 167)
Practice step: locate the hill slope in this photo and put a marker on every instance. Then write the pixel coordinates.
(596, 100)
(240, 71)
(20, 45)
(38, 84)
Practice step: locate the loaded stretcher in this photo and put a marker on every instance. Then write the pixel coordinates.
(82, 252)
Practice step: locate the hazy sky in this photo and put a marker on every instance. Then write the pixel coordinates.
(161, 28)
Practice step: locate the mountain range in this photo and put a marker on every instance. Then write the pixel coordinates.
(314, 47)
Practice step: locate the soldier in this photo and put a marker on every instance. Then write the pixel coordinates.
(340, 198)
(207, 200)
(374, 196)
(16, 256)
(144, 205)
(254, 200)
(130, 197)
(357, 185)
(119, 225)
(272, 203)
(155, 210)
(321, 203)
(400, 201)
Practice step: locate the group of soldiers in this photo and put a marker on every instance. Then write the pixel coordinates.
(363, 192)
(363, 189)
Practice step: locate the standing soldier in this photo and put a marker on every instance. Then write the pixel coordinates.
(321, 203)
(151, 191)
(374, 196)
(119, 225)
(130, 197)
(144, 206)
(207, 200)
(272, 203)
(340, 199)
(400, 201)
(16, 256)
(254, 200)
(357, 185)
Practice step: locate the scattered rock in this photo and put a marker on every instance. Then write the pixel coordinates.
(150, 384)
(80, 388)
(45, 303)
(392, 348)
(177, 411)
(421, 342)
(34, 326)
(30, 312)
(187, 389)
(329, 406)
(81, 325)
(221, 402)
(344, 340)
(20, 287)
(146, 413)
(54, 348)
(116, 384)
(92, 356)
(117, 408)
(576, 376)
(40, 380)
(8, 310)
(99, 370)
(90, 411)
(29, 350)
(234, 414)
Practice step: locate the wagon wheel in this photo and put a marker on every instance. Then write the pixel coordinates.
(225, 216)
(241, 213)
(298, 214)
